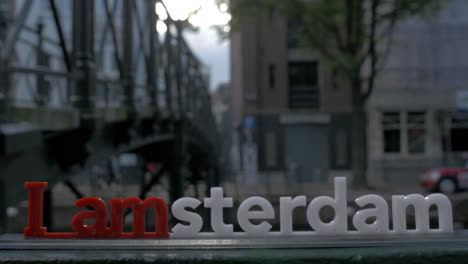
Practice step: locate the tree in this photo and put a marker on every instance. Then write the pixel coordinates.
(352, 38)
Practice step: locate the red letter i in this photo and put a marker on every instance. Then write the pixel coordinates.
(35, 206)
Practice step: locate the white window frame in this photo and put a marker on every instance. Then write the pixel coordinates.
(404, 144)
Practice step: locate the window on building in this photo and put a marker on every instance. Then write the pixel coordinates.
(391, 123)
(271, 76)
(303, 85)
(457, 139)
(404, 132)
(416, 132)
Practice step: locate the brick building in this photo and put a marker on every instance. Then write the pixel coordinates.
(299, 119)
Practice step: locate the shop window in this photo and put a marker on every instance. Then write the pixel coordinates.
(391, 123)
(404, 132)
(458, 133)
(459, 139)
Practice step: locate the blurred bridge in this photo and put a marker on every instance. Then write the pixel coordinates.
(82, 81)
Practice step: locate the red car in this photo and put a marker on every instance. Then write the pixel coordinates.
(445, 180)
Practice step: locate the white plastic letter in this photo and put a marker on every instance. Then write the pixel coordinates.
(179, 212)
(244, 214)
(421, 208)
(380, 212)
(217, 202)
(287, 205)
(339, 225)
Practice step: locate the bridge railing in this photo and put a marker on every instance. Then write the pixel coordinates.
(89, 55)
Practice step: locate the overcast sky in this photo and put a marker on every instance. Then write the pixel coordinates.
(205, 43)
(213, 53)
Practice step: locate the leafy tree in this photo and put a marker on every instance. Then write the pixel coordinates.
(352, 38)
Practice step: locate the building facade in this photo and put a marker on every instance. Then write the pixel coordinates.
(284, 107)
(417, 115)
(287, 107)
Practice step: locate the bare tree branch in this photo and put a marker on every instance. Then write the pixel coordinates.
(372, 50)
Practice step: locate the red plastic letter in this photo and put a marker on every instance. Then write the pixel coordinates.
(35, 209)
(116, 218)
(139, 208)
(98, 229)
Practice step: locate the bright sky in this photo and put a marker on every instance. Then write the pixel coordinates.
(205, 43)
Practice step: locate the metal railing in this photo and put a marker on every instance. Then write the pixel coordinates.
(92, 55)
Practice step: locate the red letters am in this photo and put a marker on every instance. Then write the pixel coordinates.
(100, 228)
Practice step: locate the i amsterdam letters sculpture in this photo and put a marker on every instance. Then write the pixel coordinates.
(193, 222)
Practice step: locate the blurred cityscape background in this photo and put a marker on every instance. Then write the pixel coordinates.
(115, 98)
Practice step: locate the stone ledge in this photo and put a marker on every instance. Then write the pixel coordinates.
(450, 248)
(391, 255)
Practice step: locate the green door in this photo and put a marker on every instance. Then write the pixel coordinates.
(306, 152)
